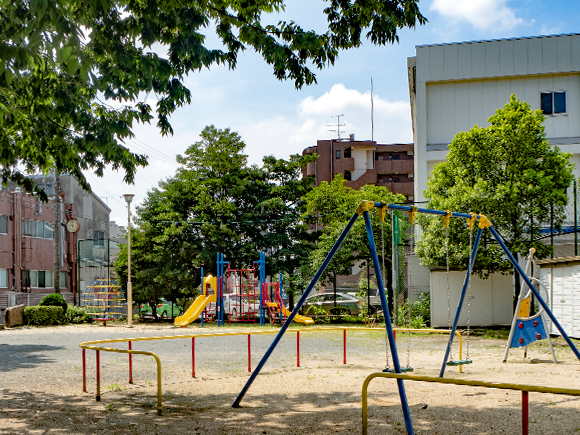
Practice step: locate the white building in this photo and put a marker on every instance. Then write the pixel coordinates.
(455, 86)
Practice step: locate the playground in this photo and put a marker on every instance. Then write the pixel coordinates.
(42, 385)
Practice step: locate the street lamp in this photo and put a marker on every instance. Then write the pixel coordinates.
(128, 198)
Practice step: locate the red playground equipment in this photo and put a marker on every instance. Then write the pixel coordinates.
(274, 305)
(241, 298)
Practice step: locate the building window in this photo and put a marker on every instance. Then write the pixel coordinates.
(395, 157)
(62, 280)
(98, 238)
(347, 176)
(553, 103)
(338, 154)
(33, 278)
(3, 224)
(347, 153)
(41, 279)
(3, 278)
(40, 229)
(396, 180)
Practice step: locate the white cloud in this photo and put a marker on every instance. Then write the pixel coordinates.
(481, 14)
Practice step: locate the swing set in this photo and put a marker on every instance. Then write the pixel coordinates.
(363, 209)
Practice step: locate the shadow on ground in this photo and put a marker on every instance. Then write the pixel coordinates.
(133, 411)
(14, 356)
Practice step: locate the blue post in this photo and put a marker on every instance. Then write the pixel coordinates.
(281, 289)
(262, 265)
(288, 321)
(388, 326)
(202, 292)
(461, 299)
(533, 289)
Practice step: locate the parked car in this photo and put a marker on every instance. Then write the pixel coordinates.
(325, 301)
(239, 305)
(163, 308)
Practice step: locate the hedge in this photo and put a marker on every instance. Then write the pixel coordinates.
(44, 315)
(53, 300)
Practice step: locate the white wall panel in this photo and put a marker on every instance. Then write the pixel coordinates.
(534, 56)
(563, 51)
(477, 60)
(521, 57)
(506, 58)
(464, 61)
(434, 111)
(492, 59)
(475, 109)
(549, 55)
(450, 62)
(436, 63)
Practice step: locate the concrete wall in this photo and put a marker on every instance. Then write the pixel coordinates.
(491, 300)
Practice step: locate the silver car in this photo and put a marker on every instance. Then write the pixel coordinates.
(323, 303)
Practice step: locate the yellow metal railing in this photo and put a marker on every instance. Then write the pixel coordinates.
(91, 345)
(499, 385)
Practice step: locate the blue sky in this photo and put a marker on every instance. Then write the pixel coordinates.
(274, 118)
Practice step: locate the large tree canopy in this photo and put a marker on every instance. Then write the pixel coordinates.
(217, 203)
(507, 171)
(75, 74)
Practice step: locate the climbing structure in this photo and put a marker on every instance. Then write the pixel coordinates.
(105, 300)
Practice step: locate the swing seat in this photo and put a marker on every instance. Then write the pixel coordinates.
(403, 370)
(459, 362)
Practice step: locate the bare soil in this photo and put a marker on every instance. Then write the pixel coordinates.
(41, 385)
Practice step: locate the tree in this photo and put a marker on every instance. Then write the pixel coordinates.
(507, 171)
(329, 208)
(217, 203)
(75, 74)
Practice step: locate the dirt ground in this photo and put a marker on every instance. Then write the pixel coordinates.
(41, 385)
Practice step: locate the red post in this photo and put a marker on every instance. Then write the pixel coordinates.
(297, 348)
(525, 413)
(130, 364)
(193, 357)
(394, 335)
(84, 370)
(344, 352)
(98, 377)
(249, 354)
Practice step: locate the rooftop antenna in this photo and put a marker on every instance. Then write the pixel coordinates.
(338, 125)
(372, 113)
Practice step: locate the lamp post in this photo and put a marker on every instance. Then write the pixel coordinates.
(128, 198)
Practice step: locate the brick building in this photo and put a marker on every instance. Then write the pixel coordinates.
(363, 162)
(27, 247)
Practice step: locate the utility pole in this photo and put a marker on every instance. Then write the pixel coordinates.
(57, 228)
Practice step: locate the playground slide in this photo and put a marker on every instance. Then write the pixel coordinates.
(194, 311)
(298, 318)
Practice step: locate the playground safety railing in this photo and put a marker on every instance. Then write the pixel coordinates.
(525, 389)
(92, 345)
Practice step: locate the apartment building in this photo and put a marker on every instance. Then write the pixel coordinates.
(27, 246)
(363, 162)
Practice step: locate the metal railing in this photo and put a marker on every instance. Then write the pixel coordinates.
(92, 345)
(525, 389)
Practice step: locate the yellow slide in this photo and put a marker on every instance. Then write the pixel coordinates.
(298, 318)
(194, 311)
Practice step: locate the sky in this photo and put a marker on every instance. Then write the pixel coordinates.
(273, 118)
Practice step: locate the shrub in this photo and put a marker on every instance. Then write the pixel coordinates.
(53, 300)
(50, 315)
(77, 315)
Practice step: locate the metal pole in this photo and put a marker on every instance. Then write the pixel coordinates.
(388, 326)
(250, 353)
(575, 218)
(129, 283)
(193, 357)
(290, 318)
(344, 347)
(461, 299)
(98, 377)
(525, 413)
(84, 371)
(297, 348)
(130, 364)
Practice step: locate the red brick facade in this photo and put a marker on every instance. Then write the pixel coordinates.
(363, 162)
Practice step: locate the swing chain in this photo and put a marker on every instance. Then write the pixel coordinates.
(383, 279)
(409, 275)
(448, 290)
(470, 272)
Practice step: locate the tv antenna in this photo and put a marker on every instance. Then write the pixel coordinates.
(338, 125)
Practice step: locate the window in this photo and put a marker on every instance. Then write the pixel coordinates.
(33, 277)
(48, 232)
(396, 180)
(25, 278)
(35, 228)
(4, 278)
(62, 280)
(347, 153)
(347, 176)
(338, 154)
(41, 279)
(553, 103)
(395, 157)
(3, 224)
(98, 238)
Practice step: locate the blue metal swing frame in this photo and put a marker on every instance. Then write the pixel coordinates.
(363, 208)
